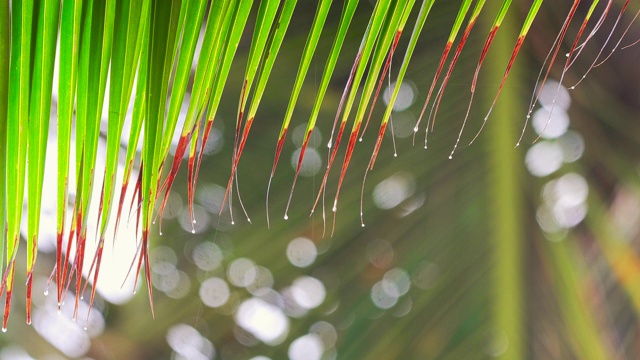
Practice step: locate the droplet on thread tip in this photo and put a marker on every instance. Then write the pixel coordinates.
(46, 292)
(286, 217)
(4, 329)
(193, 231)
(450, 157)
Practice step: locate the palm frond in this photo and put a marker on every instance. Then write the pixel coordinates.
(188, 60)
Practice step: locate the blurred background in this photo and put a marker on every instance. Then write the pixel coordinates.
(501, 251)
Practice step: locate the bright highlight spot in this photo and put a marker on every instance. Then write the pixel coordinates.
(311, 162)
(392, 191)
(307, 347)
(544, 158)
(308, 292)
(214, 292)
(406, 96)
(207, 256)
(242, 272)
(550, 125)
(263, 320)
(301, 252)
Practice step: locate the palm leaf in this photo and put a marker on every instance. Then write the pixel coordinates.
(39, 111)
(471, 218)
(17, 133)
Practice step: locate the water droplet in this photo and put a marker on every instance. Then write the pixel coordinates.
(233, 222)
(46, 292)
(85, 328)
(329, 144)
(28, 321)
(360, 139)
(567, 54)
(450, 157)
(194, 221)
(81, 297)
(286, 217)
(193, 231)
(4, 329)
(153, 222)
(362, 224)
(395, 154)
(415, 129)
(59, 312)
(134, 292)
(572, 88)
(160, 233)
